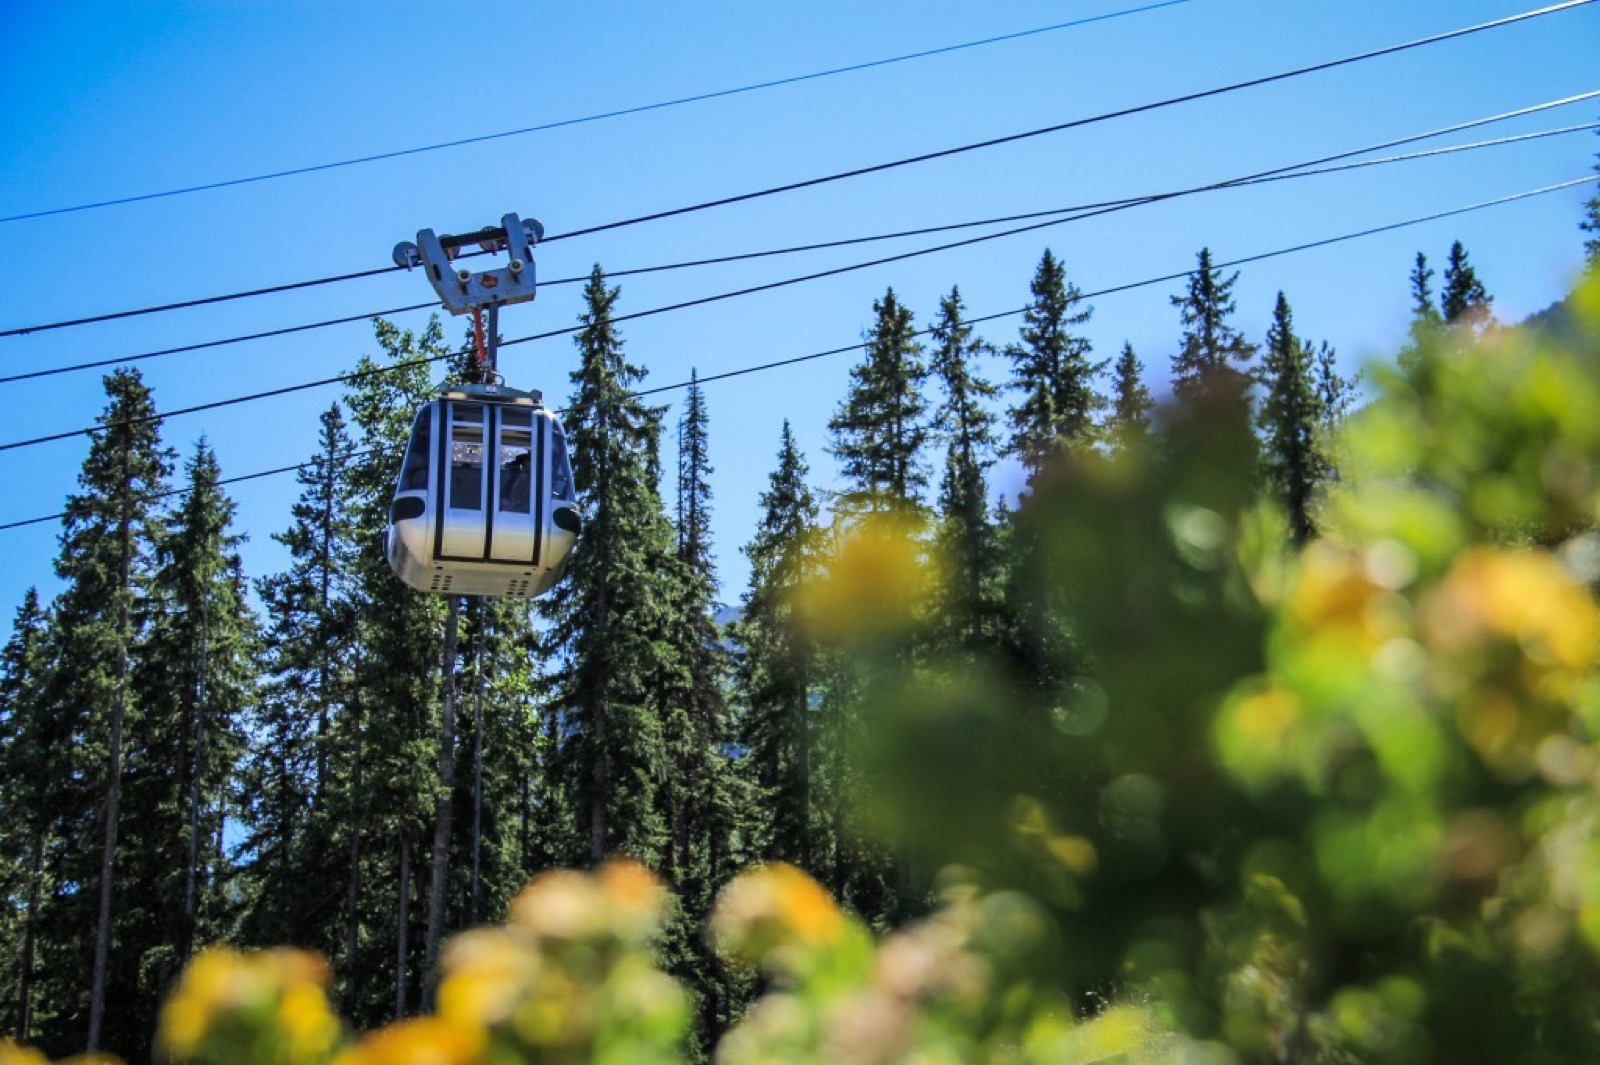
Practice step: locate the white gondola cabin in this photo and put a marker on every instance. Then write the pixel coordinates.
(484, 504)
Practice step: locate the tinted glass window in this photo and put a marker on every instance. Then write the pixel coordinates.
(414, 475)
(560, 467)
(466, 467)
(516, 473)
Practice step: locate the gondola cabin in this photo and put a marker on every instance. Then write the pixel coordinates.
(484, 504)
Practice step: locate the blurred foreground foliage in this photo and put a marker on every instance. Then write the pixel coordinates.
(1334, 805)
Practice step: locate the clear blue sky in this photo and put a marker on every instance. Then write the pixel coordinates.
(105, 100)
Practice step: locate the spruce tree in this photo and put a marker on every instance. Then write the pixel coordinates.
(966, 536)
(194, 677)
(878, 430)
(383, 748)
(1212, 356)
(309, 648)
(702, 796)
(1131, 403)
(1425, 317)
(607, 612)
(776, 665)
(1464, 300)
(1423, 313)
(1289, 420)
(34, 755)
(694, 487)
(1591, 225)
(1052, 372)
(103, 563)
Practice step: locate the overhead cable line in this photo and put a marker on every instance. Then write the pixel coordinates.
(597, 117)
(377, 371)
(873, 169)
(926, 331)
(1147, 282)
(1059, 127)
(156, 497)
(1309, 168)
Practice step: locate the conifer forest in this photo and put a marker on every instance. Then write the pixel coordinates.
(1264, 725)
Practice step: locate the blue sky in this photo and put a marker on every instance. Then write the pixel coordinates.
(106, 100)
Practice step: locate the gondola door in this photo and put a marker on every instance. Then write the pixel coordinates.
(463, 530)
(517, 519)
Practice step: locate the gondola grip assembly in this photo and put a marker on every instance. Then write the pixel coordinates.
(460, 289)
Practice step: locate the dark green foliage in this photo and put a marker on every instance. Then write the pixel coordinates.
(776, 668)
(1052, 373)
(1425, 317)
(291, 852)
(1591, 225)
(1131, 403)
(104, 563)
(694, 485)
(382, 749)
(706, 801)
(33, 752)
(194, 677)
(1212, 354)
(1464, 300)
(1289, 418)
(1423, 312)
(608, 616)
(965, 537)
(878, 430)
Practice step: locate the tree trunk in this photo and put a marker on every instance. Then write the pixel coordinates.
(353, 888)
(444, 804)
(29, 941)
(477, 763)
(191, 878)
(108, 853)
(402, 921)
(324, 565)
(600, 777)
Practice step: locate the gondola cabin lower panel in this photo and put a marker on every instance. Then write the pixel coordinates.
(484, 504)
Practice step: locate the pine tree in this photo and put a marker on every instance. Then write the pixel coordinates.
(307, 663)
(1213, 355)
(878, 431)
(1131, 403)
(103, 564)
(1052, 372)
(1423, 313)
(33, 756)
(1289, 419)
(194, 677)
(606, 613)
(382, 751)
(1591, 225)
(703, 798)
(1464, 299)
(776, 665)
(694, 487)
(966, 537)
(1425, 317)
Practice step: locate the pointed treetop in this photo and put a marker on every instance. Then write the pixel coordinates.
(694, 483)
(1131, 402)
(1211, 348)
(878, 430)
(1464, 298)
(1052, 372)
(1591, 226)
